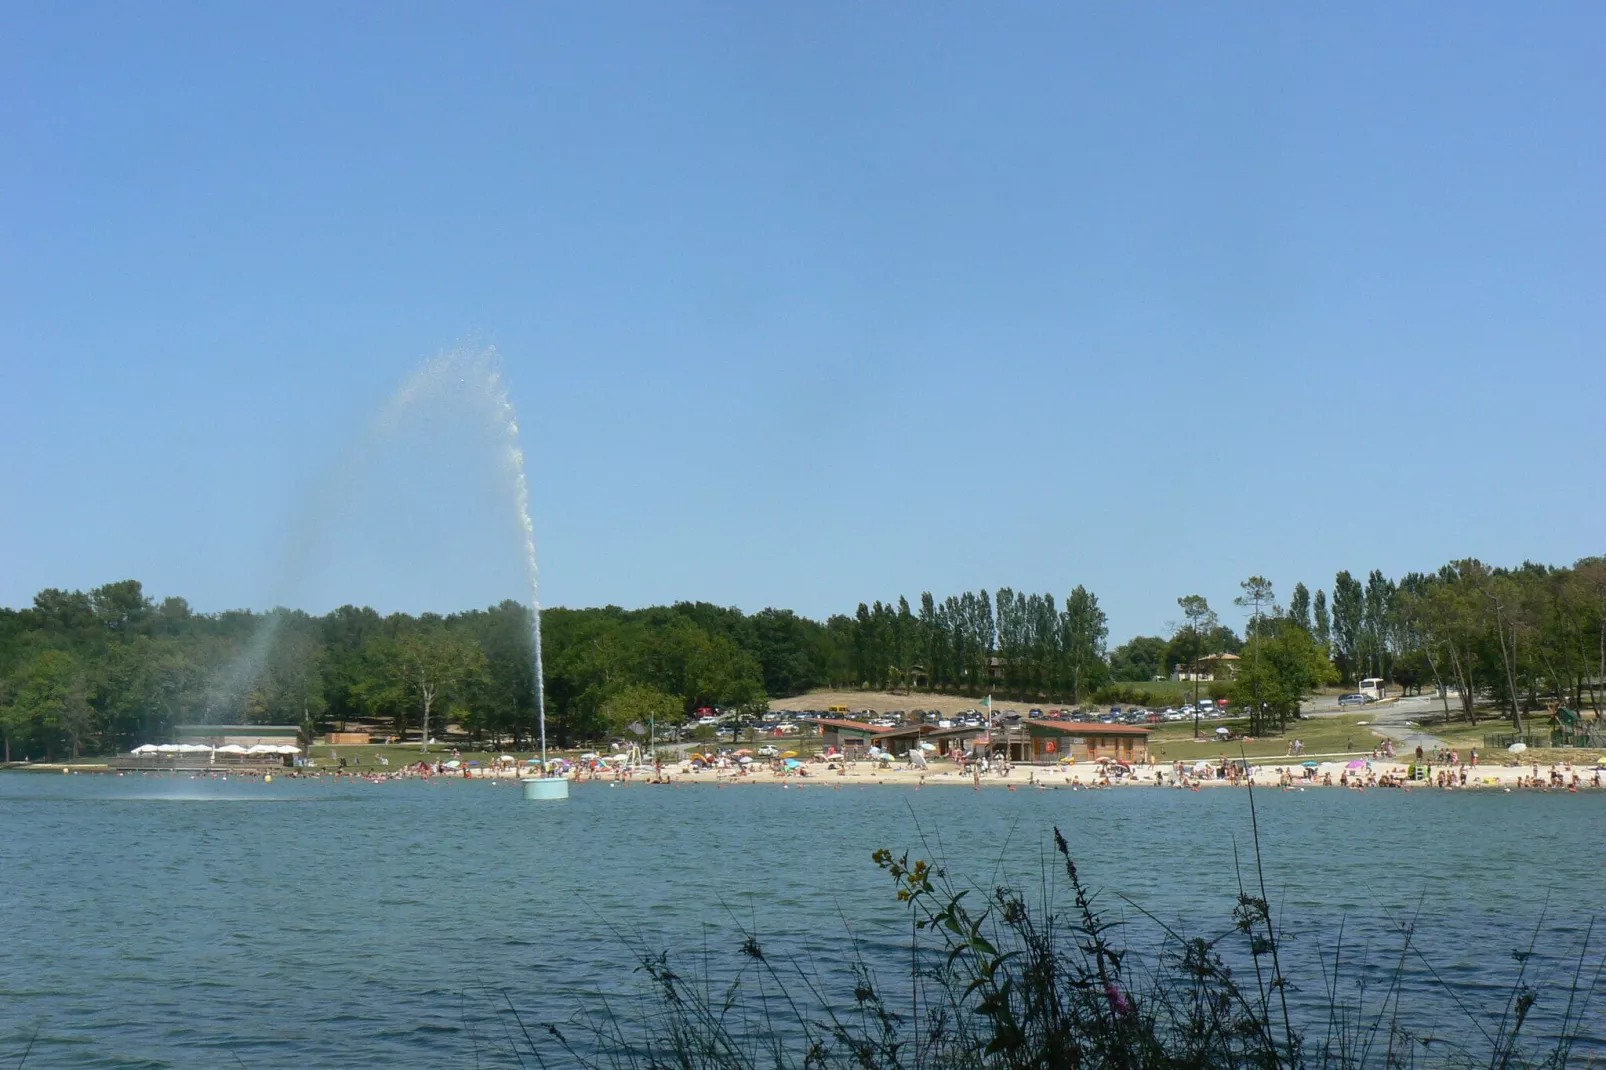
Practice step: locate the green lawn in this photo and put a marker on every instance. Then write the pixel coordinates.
(1324, 735)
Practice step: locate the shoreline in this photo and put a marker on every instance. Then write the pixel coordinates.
(1561, 776)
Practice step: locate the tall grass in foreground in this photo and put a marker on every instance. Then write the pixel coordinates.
(998, 983)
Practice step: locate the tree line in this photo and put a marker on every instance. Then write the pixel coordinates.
(1512, 638)
(97, 671)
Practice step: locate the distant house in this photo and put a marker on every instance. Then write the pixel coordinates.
(1210, 667)
(1023, 739)
(1032, 740)
(954, 741)
(854, 738)
(244, 735)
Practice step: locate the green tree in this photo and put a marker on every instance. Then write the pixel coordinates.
(430, 662)
(1085, 629)
(48, 706)
(1299, 606)
(1284, 664)
(1349, 612)
(1189, 641)
(1257, 596)
(1140, 659)
(635, 704)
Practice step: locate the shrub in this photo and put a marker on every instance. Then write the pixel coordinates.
(1002, 985)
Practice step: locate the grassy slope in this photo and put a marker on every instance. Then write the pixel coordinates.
(1325, 735)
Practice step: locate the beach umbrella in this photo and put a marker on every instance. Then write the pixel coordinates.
(146, 748)
(745, 759)
(454, 764)
(1310, 765)
(286, 748)
(231, 748)
(1223, 731)
(1601, 760)
(743, 752)
(1517, 747)
(507, 758)
(1069, 759)
(927, 745)
(1356, 764)
(792, 763)
(789, 754)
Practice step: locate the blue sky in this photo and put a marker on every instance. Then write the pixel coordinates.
(801, 304)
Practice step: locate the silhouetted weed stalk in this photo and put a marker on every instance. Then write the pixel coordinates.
(1001, 985)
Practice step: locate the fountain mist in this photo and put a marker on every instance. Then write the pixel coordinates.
(479, 370)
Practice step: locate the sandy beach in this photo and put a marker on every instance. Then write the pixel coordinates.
(1292, 774)
(1336, 774)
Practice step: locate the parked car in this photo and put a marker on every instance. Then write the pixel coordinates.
(1356, 699)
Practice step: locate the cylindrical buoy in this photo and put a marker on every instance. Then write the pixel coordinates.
(543, 788)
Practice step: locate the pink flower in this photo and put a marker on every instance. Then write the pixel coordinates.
(1118, 1000)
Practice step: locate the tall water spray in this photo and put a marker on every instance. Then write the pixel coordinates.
(480, 369)
(497, 391)
(432, 381)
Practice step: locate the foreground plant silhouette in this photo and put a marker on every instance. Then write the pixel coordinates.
(1005, 986)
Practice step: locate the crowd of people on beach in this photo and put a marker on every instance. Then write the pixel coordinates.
(1443, 768)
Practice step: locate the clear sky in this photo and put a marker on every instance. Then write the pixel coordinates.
(802, 304)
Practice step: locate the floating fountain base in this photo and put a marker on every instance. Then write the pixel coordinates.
(540, 789)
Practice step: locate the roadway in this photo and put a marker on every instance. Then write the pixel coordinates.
(1399, 719)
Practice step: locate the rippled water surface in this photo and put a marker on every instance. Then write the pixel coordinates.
(173, 922)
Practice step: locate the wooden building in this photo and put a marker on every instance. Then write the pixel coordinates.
(244, 735)
(1032, 740)
(855, 738)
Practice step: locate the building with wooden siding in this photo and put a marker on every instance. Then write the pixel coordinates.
(854, 738)
(1033, 740)
(245, 735)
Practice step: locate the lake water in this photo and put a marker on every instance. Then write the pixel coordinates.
(153, 922)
